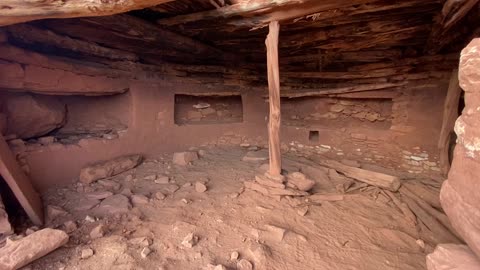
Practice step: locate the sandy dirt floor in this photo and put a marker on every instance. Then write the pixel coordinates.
(174, 226)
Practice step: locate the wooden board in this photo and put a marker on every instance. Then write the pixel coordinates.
(450, 115)
(274, 97)
(20, 184)
(381, 180)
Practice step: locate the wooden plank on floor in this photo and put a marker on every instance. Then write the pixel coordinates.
(20, 184)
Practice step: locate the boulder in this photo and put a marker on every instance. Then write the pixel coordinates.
(183, 158)
(139, 199)
(451, 256)
(300, 181)
(16, 254)
(109, 168)
(44, 115)
(116, 204)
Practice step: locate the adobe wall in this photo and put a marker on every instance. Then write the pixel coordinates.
(396, 129)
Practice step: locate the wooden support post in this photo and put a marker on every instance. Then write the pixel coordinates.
(20, 184)
(450, 115)
(274, 99)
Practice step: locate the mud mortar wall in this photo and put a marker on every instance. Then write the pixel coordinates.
(409, 144)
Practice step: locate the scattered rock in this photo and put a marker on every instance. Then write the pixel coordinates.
(87, 253)
(260, 253)
(190, 240)
(170, 189)
(201, 105)
(163, 179)
(139, 199)
(277, 232)
(152, 177)
(188, 184)
(82, 204)
(184, 158)
(110, 184)
(109, 168)
(185, 201)
(54, 212)
(89, 219)
(141, 241)
(255, 156)
(234, 256)
(145, 252)
(97, 232)
(159, 196)
(116, 204)
(200, 187)
(302, 211)
(70, 226)
(16, 254)
(98, 195)
(220, 267)
(126, 192)
(300, 181)
(202, 153)
(46, 140)
(253, 148)
(244, 264)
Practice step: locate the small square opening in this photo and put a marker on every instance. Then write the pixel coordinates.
(313, 136)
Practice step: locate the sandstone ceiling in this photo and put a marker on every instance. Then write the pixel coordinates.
(327, 42)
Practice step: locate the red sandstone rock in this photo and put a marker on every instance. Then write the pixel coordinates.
(459, 195)
(17, 254)
(450, 256)
(300, 181)
(43, 115)
(183, 158)
(109, 168)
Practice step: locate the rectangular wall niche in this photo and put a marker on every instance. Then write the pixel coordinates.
(337, 112)
(211, 109)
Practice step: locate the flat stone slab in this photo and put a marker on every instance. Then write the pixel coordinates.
(16, 254)
(116, 204)
(256, 156)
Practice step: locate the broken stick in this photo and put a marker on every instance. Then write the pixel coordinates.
(381, 180)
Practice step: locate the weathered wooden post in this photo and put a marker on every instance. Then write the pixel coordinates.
(274, 99)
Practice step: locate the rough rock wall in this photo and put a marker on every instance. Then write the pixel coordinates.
(460, 195)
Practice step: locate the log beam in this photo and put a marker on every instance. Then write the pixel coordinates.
(18, 11)
(452, 13)
(450, 115)
(31, 35)
(20, 184)
(274, 97)
(259, 13)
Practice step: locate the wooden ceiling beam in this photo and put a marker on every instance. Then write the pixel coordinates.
(259, 13)
(37, 37)
(146, 40)
(452, 13)
(18, 11)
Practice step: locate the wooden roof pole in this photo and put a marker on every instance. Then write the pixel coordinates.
(274, 99)
(20, 184)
